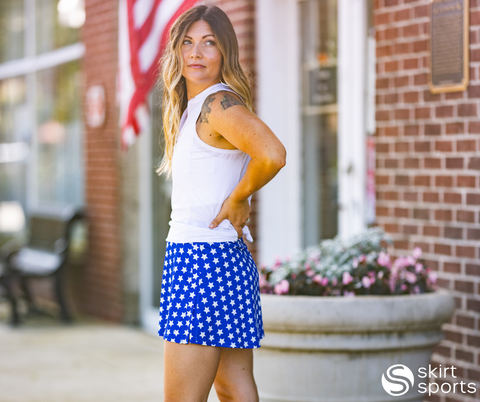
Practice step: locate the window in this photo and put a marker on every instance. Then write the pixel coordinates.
(41, 130)
(319, 119)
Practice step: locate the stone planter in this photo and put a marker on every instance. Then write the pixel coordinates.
(335, 349)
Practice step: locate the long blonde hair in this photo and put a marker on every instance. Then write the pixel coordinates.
(173, 83)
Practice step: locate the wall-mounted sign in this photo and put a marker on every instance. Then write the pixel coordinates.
(95, 105)
(449, 45)
(323, 86)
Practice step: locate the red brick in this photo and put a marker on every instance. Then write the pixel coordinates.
(466, 146)
(431, 197)
(454, 163)
(444, 111)
(473, 234)
(443, 146)
(421, 180)
(432, 163)
(464, 321)
(467, 109)
(465, 251)
(411, 97)
(466, 181)
(465, 216)
(443, 215)
(443, 249)
(423, 214)
(433, 129)
(431, 231)
(474, 127)
(401, 147)
(422, 113)
(411, 163)
(473, 199)
(472, 269)
(411, 130)
(452, 267)
(401, 15)
(422, 146)
(474, 163)
(444, 181)
(402, 180)
(411, 30)
(452, 198)
(401, 212)
(454, 128)
(453, 232)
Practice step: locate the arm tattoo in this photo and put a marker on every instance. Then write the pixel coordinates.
(206, 108)
(229, 100)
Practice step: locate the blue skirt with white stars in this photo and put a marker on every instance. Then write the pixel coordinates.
(211, 295)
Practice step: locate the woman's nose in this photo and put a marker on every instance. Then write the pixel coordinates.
(196, 51)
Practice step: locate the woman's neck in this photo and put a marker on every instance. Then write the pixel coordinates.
(193, 89)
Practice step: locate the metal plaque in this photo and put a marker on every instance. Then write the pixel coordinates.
(449, 45)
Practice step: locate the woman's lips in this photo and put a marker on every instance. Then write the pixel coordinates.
(196, 66)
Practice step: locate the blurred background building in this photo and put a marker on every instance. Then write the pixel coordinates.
(344, 84)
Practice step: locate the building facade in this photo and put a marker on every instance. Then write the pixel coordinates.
(342, 83)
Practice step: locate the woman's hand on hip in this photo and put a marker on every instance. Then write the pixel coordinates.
(237, 212)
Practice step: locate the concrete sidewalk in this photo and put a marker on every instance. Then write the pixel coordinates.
(88, 361)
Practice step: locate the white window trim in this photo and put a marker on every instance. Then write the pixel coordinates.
(280, 228)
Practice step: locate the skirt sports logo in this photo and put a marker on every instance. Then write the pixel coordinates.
(398, 379)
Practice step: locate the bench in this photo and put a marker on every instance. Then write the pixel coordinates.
(44, 255)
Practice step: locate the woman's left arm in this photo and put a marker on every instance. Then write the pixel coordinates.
(229, 118)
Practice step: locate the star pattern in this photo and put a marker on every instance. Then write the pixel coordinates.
(210, 295)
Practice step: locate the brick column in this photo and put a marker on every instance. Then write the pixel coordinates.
(99, 288)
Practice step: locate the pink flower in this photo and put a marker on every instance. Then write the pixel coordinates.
(403, 286)
(324, 281)
(348, 293)
(417, 252)
(317, 278)
(366, 282)
(362, 258)
(347, 278)
(263, 280)
(383, 259)
(355, 262)
(380, 275)
(334, 281)
(410, 261)
(432, 276)
(309, 272)
(418, 267)
(282, 287)
(411, 277)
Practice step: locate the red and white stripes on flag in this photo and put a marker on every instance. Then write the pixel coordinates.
(143, 33)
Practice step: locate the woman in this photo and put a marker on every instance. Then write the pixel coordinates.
(219, 153)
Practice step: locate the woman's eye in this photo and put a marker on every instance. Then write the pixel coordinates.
(186, 42)
(210, 43)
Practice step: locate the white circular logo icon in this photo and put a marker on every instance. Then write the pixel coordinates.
(397, 380)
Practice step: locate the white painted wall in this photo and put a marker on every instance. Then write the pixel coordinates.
(351, 125)
(278, 90)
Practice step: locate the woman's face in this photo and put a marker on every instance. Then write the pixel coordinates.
(202, 60)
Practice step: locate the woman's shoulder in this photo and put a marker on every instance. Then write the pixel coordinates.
(221, 99)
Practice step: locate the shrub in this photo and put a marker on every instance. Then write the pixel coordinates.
(356, 266)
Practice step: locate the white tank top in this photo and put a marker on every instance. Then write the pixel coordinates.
(203, 176)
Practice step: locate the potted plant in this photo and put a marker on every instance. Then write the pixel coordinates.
(339, 314)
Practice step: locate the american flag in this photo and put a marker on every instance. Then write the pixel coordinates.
(143, 33)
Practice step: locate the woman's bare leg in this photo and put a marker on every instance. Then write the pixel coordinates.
(189, 371)
(234, 380)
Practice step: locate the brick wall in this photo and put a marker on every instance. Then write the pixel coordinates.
(428, 171)
(99, 287)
